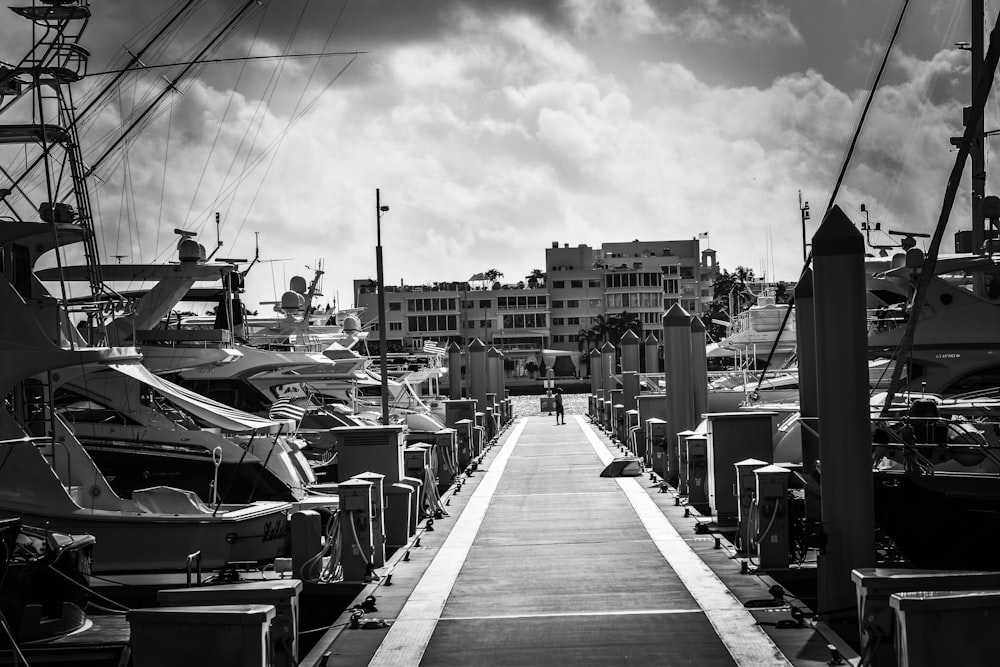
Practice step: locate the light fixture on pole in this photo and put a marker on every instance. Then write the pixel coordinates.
(804, 211)
(382, 324)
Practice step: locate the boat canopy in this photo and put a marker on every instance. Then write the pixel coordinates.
(214, 413)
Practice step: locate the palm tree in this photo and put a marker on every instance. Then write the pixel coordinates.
(631, 322)
(730, 296)
(536, 279)
(492, 275)
(599, 329)
(624, 321)
(584, 344)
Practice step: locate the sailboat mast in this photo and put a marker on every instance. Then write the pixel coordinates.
(978, 152)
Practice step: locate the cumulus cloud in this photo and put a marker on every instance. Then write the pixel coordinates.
(713, 21)
(502, 133)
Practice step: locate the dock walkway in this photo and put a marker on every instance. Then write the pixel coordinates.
(542, 560)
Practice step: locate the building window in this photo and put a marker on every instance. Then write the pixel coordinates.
(416, 305)
(485, 303)
(557, 304)
(524, 321)
(573, 321)
(395, 305)
(431, 323)
(576, 283)
(523, 302)
(594, 282)
(558, 284)
(395, 326)
(572, 303)
(557, 321)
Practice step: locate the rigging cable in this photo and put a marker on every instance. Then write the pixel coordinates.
(843, 172)
(297, 115)
(298, 103)
(210, 61)
(921, 97)
(260, 112)
(135, 58)
(218, 131)
(864, 112)
(163, 181)
(172, 85)
(276, 141)
(975, 114)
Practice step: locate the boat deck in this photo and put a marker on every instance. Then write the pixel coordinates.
(543, 560)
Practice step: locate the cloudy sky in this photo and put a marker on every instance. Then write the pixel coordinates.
(494, 128)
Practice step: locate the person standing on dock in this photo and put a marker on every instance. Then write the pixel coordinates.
(560, 412)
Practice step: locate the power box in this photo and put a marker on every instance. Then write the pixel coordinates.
(631, 428)
(222, 635)
(355, 506)
(446, 457)
(465, 436)
(378, 527)
(746, 492)
(732, 437)
(657, 433)
(456, 410)
(682, 479)
(697, 471)
(369, 449)
(772, 534)
(618, 421)
(282, 594)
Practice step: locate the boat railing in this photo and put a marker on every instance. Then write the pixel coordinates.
(46, 447)
(885, 318)
(748, 379)
(201, 338)
(918, 440)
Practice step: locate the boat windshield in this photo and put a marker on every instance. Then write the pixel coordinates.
(75, 408)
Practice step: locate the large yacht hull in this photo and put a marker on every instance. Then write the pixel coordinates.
(141, 542)
(129, 466)
(944, 520)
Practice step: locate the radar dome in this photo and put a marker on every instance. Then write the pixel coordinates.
(914, 258)
(351, 324)
(292, 301)
(298, 284)
(190, 250)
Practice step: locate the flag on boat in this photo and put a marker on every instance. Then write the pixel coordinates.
(288, 408)
(432, 347)
(703, 235)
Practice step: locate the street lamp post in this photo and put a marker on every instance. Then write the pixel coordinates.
(382, 324)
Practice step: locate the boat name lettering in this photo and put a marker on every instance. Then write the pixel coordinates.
(274, 530)
(948, 355)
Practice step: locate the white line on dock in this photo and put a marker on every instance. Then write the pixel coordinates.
(616, 612)
(407, 639)
(746, 642)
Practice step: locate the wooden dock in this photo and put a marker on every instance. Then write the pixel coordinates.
(543, 561)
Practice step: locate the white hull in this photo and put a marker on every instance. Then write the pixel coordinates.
(143, 542)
